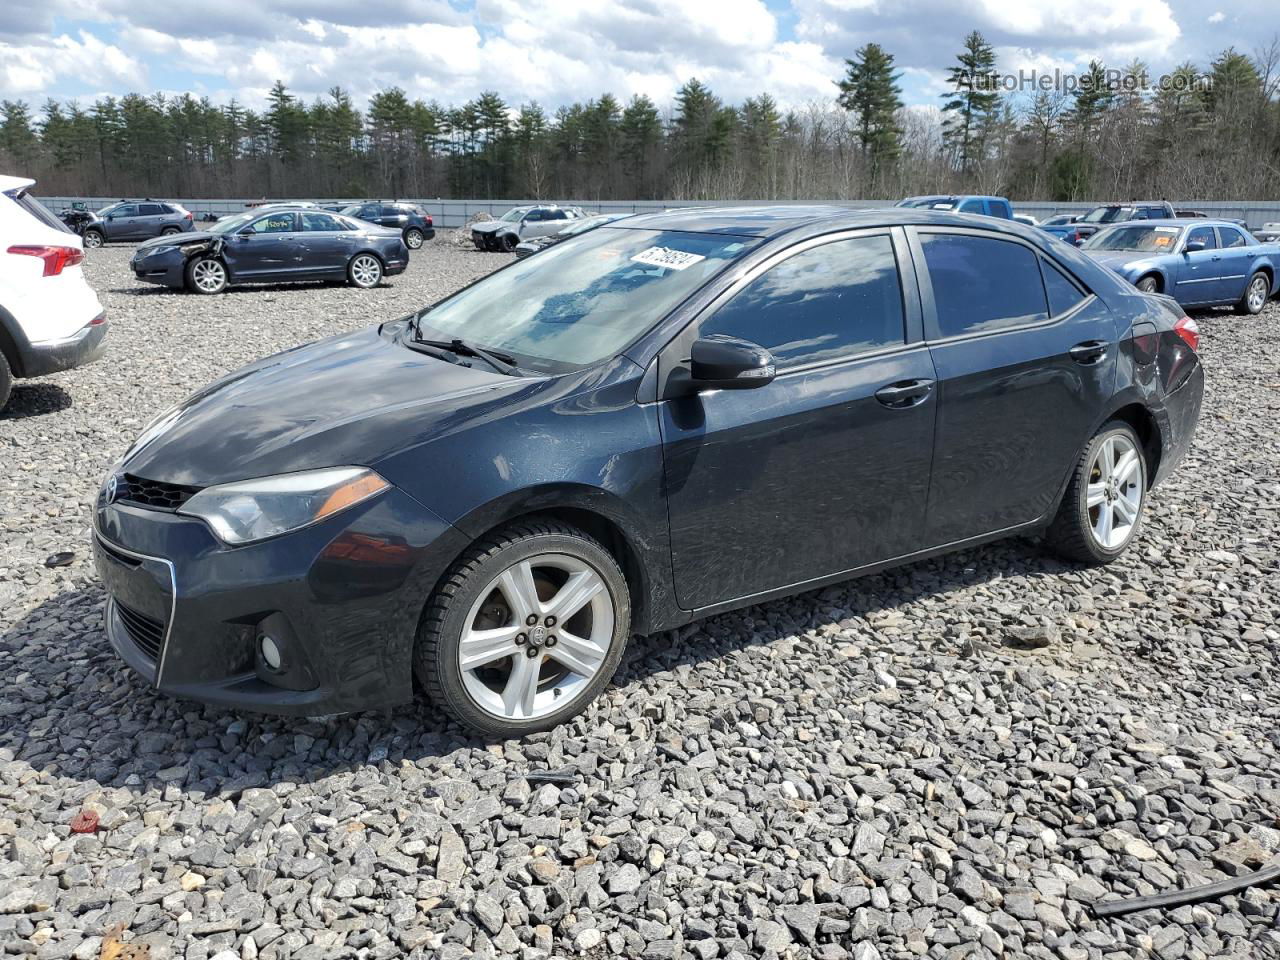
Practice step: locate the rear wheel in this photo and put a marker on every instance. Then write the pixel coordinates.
(525, 631)
(413, 238)
(6, 381)
(94, 238)
(169, 231)
(1149, 284)
(1255, 294)
(1101, 511)
(206, 275)
(365, 271)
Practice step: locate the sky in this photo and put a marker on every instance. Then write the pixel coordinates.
(561, 51)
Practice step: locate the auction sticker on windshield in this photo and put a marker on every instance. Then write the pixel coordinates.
(666, 257)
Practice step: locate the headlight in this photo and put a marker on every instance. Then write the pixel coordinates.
(252, 510)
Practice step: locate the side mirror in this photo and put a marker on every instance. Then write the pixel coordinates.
(727, 363)
(1193, 246)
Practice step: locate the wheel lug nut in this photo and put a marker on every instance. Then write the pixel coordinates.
(521, 639)
(531, 619)
(551, 641)
(551, 621)
(532, 652)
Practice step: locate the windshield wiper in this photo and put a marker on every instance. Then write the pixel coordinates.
(457, 347)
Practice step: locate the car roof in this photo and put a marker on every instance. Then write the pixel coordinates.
(773, 221)
(1178, 222)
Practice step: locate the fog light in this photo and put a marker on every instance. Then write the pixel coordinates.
(270, 652)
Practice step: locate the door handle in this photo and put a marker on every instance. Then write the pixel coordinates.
(904, 393)
(1091, 351)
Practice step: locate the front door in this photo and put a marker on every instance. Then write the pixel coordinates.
(824, 469)
(1025, 360)
(1200, 272)
(267, 247)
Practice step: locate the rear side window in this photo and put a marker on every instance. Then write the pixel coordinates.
(37, 210)
(836, 300)
(982, 284)
(971, 206)
(321, 223)
(1231, 237)
(1000, 208)
(1063, 293)
(150, 209)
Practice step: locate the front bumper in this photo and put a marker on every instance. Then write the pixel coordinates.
(167, 267)
(342, 598)
(52, 356)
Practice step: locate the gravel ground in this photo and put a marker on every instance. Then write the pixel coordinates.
(950, 760)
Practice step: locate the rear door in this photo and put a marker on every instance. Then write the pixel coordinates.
(1200, 271)
(325, 241)
(268, 247)
(1025, 359)
(151, 220)
(822, 470)
(1237, 259)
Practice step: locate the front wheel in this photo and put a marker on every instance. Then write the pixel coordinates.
(206, 275)
(94, 239)
(365, 271)
(413, 238)
(1255, 295)
(1149, 285)
(509, 242)
(526, 629)
(1101, 511)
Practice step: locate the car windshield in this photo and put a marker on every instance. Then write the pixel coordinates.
(923, 201)
(516, 214)
(1107, 214)
(583, 300)
(352, 210)
(1146, 239)
(234, 222)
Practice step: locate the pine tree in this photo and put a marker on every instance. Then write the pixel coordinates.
(870, 91)
(974, 98)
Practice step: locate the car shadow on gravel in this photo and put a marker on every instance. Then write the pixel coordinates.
(70, 707)
(35, 400)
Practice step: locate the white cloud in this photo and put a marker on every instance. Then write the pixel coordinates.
(1217, 17)
(36, 65)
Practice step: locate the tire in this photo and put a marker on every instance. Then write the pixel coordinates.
(6, 382)
(488, 697)
(206, 275)
(509, 242)
(170, 232)
(364, 271)
(94, 239)
(1256, 293)
(1080, 531)
(413, 238)
(1149, 284)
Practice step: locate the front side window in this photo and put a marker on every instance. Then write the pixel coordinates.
(515, 215)
(1203, 235)
(273, 223)
(825, 303)
(981, 284)
(586, 299)
(123, 210)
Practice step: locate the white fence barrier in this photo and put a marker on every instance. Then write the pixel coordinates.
(455, 213)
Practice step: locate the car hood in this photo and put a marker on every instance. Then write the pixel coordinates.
(1120, 261)
(491, 226)
(177, 239)
(353, 400)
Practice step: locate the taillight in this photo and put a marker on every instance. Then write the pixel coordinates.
(56, 259)
(430, 222)
(190, 215)
(1189, 331)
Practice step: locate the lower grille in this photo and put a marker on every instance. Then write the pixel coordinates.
(147, 634)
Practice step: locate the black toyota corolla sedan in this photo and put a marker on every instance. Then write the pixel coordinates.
(278, 245)
(655, 421)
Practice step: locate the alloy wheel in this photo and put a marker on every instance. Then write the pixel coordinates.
(92, 239)
(209, 276)
(1114, 495)
(1147, 284)
(413, 239)
(535, 638)
(1257, 296)
(365, 271)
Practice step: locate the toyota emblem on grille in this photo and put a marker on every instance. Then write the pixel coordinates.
(113, 487)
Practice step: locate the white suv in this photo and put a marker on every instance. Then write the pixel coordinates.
(50, 318)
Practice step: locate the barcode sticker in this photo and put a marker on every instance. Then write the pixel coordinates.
(666, 257)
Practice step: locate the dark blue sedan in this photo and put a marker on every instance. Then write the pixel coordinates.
(280, 245)
(1200, 263)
